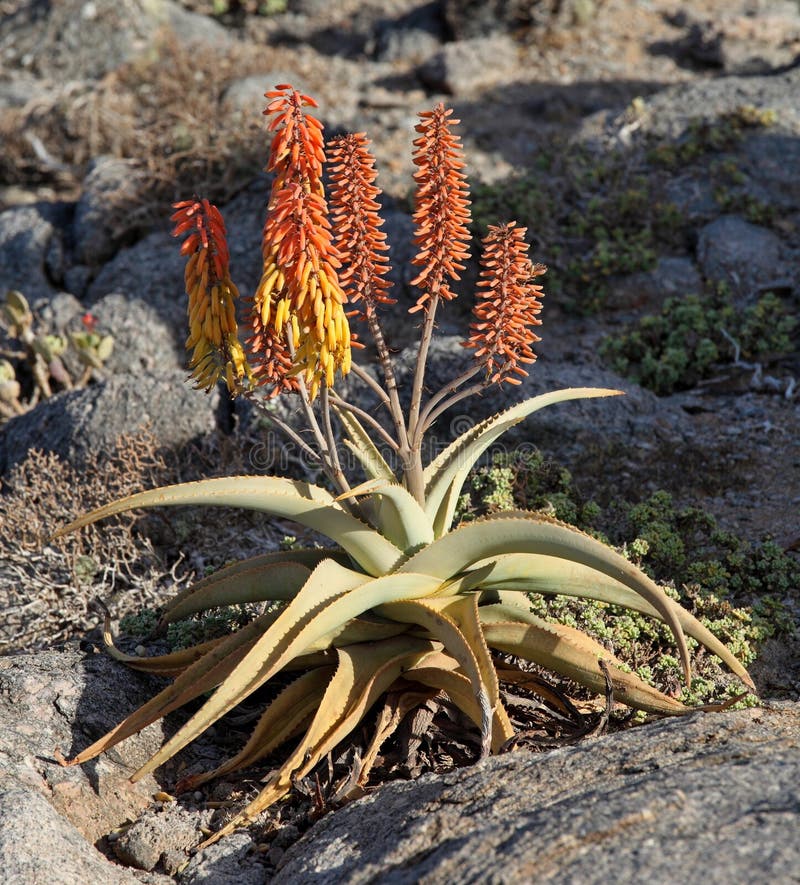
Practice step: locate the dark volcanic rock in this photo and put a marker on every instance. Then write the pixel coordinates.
(77, 423)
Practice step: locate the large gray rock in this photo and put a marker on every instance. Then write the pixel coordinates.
(151, 270)
(81, 422)
(109, 189)
(707, 799)
(744, 255)
(143, 341)
(468, 66)
(31, 251)
(50, 816)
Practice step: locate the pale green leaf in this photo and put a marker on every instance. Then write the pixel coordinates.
(532, 573)
(303, 502)
(243, 577)
(328, 599)
(411, 528)
(361, 445)
(526, 532)
(573, 654)
(446, 474)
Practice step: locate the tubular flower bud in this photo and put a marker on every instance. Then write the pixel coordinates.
(502, 334)
(442, 211)
(298, 308)
(356, 222)
(213, 333)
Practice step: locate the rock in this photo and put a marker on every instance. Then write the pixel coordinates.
(739, 43)
(152, 271)
(232, 861)
(31, 250)
(157, 832)
(474, 18)
(50, 814)
(411, 37)
(37, 845)
(669, 111)
(711, 798)
(79, 422)
(672, 276)
(143, 341)
(108, 189)
(76, 40)
(742, 254)
(468, 66)
(771, 158)
(246, 96)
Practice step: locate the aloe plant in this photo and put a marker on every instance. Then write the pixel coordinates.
(405, 601)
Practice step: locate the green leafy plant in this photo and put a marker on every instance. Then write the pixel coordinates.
(404, 601)
(681, 345)
(34, 358)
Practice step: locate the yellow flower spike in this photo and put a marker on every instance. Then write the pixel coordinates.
(211, 310)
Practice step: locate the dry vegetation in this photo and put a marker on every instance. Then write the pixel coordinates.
(48, 589)
(164, 111)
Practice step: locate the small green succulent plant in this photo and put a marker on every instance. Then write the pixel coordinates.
(405, 601)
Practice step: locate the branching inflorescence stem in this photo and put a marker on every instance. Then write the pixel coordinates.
(320, 255)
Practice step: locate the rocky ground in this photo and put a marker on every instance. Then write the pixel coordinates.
(652, 149)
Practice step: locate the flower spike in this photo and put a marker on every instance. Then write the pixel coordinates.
(298, 319)
(356, 221)
(442, 211)
(502, 336)
(213, 333)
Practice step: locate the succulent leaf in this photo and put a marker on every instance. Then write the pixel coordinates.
(303, 502)
(446, 474)
(525, 532)
(363, 674)
(576, 656)
(433, 615)
(325, 602)
(273, 581)
(534, 573)
(411, 524)
(245, 573)
(459, 689)
(361, 445)
(283, 719)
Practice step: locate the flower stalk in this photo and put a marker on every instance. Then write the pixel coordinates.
(321, 253)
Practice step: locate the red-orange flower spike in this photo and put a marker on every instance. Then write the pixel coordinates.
(299, 295)
(503, 334)
(213, 333)
(442, 211)
(297, 146)
(356, 223)
(274, 371)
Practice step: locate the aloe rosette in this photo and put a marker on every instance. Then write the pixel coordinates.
(409, 597)
(405, 602)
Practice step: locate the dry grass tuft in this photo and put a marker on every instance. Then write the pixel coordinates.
(47, 589)
(164, 111)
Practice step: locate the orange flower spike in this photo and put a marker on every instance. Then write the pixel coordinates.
(442, 211)
(299, 293)
(503, 334)
(356, 222)
(213, 332)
